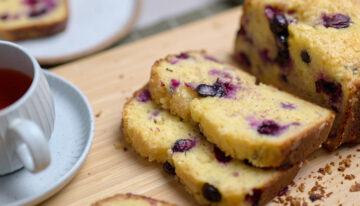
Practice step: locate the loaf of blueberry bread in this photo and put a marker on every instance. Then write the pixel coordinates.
(208, 174)
(259, 123)
(310, 49)
(130, 200)
(27, 19)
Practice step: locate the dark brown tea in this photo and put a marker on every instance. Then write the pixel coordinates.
(13, 85)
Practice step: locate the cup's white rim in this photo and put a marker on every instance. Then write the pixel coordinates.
(35, 79)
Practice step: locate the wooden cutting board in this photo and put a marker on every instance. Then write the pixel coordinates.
(109, 78)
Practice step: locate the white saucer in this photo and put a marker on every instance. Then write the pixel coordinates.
(69, 145)
(93, 25)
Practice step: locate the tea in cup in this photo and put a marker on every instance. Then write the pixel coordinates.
(27, 112)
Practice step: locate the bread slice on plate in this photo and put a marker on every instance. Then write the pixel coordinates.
(28, 19)
(246, 120)
(208, 174)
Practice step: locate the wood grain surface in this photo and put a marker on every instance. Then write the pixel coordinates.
(109, 78)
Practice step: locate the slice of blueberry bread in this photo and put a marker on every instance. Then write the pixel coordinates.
(27, 19)
(143, 120)
(209, 174)
(310, 49)
(259, 123)
(130, 200)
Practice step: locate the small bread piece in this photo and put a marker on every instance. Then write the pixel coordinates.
(207, 173)
(129, 199)
(259, 123)
(28, 19)
(310, 49)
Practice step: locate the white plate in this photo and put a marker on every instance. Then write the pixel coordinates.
(69, 145)
(93, 25)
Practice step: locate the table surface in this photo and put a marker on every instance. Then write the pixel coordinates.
(109, 78)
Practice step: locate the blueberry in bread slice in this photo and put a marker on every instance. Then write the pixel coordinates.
(310, 49)
(28, 19)
(246, 120)
(208, 174)
(130, 200)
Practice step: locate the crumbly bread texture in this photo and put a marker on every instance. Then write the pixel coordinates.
(130, 200)
(259, 123)
(28, 19)
(143, 119)
(310, 49)
(207, 173)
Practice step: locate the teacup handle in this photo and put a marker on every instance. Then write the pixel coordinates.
(30, 144)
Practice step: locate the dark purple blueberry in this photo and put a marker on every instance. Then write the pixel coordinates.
(31, 3)
(219, 89)
(178, 57)
(314, 197)
(334, 109)
(284, 78)
(183, 56)
(183, 145)
(305, 57)
(223, 88)
(279, 24)
(211, 193)
(282, 45)
(4, 17)
(168, 168)
(205, 90)
(332, 89)
(337, 21)
(247, 162)
(254, 198)
(284, 191)
(37, 12)
(286, 165)
(221, 156)
(174, 83)
(243, 59)
(144, 96)
(264, 56)
(268, 127)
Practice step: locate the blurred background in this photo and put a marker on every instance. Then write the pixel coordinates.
(160, 15)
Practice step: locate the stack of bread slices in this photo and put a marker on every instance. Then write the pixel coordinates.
(228, 139)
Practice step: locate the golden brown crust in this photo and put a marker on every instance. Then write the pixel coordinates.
(273, 188)
(308, 142)
(36, 31)
(352, 130)
(268, 191)
(134, 197)
(124, 123)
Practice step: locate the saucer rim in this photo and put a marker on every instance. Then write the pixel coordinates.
(69, 175)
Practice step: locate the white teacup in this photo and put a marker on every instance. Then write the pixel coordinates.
(27, 124)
